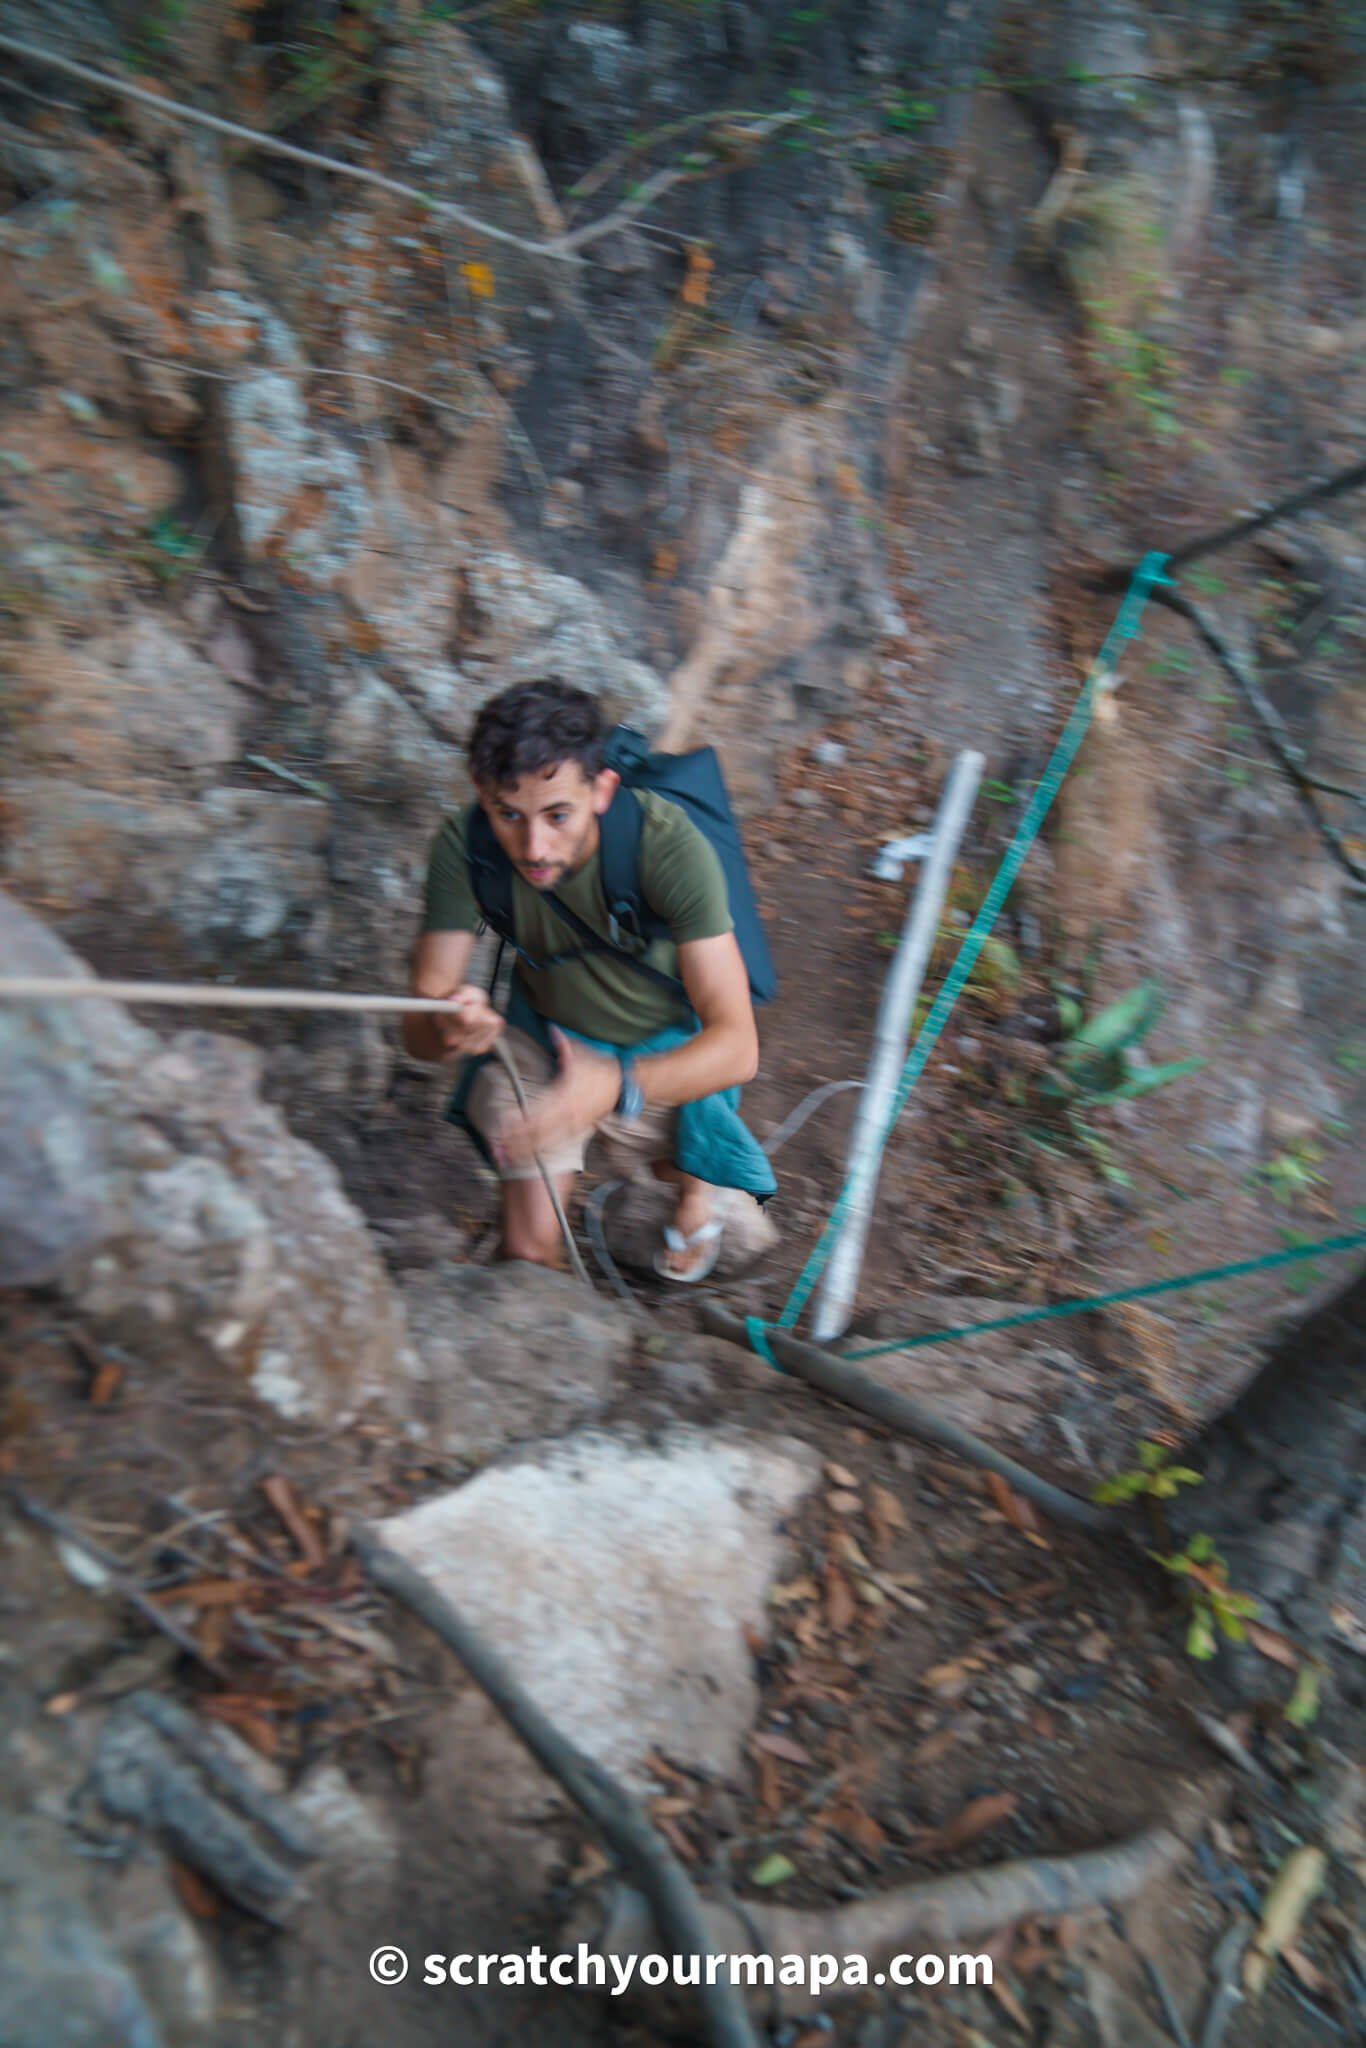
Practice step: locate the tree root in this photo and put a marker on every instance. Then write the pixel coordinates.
(934, 1915)
(673, 1903)
(835, 1376)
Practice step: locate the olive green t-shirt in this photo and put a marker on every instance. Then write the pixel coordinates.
(601, 996)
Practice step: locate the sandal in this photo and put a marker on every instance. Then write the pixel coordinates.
(707, 1235)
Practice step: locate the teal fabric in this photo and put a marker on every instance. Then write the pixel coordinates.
(711, 1139)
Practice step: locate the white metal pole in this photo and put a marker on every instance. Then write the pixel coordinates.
(891, 1037)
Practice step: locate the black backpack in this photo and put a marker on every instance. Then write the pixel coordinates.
(692, 781)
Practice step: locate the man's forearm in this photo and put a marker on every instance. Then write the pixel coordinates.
(719, 1056)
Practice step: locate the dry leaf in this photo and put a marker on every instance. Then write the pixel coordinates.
(285, 1502)
(804, 1588)
(693, 291)
(197, 1897)
(105, 1384)
(1018, 1511)
(783, 1746)
(1348, 1627)
(844, 1503)
(211, 1632)
(952, 1680)
(592, 1864)
(250, 1723)
(670, 1805)
(840, 1604)
(356, 1633)
(931, 1749)
(976, 1818)
(1006, 1998)
(1094, 1647)
(886, 1516)
(1296, 1886)
(860, 1828)
(209, 1593)
(479, 278)
(1274, 1645)
(770, 1792)
(840, 1475)
(674, 1834)
(61, 1703)
(1309, 1973)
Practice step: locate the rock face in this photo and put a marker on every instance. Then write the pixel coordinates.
(149, 1180)
(511, 1353)
(617, 1579)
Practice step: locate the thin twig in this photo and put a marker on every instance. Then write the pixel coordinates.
(1225, 1967)
(67, 1532)
(678, 1909)
(1176, 2026)
(1268, 720)
(563, 249)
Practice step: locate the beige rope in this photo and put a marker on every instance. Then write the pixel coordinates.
(188, 995)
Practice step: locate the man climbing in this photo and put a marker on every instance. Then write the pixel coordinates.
(644, 1043)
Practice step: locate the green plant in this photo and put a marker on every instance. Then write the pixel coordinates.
(1290, 1174)
(1094, 1065)
(169, 549)
(1215, 1608)
(1153, 1477)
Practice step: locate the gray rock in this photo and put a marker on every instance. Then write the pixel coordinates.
(133, 1973)
(181, 1212)
(617, 1581)
(511, 1352)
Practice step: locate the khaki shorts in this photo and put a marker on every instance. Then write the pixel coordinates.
(625, 1147)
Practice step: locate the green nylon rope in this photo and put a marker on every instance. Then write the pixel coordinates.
(1325, 1245)
(1149, 572)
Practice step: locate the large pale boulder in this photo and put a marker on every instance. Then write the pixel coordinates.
(618, 1578)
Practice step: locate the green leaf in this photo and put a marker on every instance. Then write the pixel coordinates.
(774, 1869)
(1200, 1549)
(1151, 1455)
(1303, 1705)
(1069, 1014)
(1151, 1077)
(1124, 1486)
(1121, 1023)
(1200, 1637)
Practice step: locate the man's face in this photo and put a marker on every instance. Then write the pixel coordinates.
(547, 824)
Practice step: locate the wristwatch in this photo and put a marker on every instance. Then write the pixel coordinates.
(631, 1100)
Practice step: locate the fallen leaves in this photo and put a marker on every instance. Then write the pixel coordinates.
(840, 1605)
(1297, 1884)
(285, 1502)
(977, 1818)
(783, 1747)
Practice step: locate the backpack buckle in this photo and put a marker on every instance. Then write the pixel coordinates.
(623, 928)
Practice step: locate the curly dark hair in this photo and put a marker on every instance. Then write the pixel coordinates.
(532, 726)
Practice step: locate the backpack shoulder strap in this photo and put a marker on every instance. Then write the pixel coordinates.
(633, 920)
(490, 873)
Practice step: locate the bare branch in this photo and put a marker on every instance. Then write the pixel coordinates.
(1269, 723)
(563, 249)
(1342, 481)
